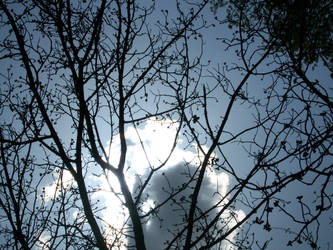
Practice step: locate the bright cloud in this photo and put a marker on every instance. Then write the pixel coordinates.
(147, 147)
(150, 146)
(43, 242)
(62, 181)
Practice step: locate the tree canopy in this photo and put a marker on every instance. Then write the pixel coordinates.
(139, 125)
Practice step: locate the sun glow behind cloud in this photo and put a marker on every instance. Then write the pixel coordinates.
(148, 146)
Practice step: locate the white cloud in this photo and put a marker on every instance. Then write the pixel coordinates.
(43, 242)
(149, 146)
(62, 180)
(171, 217)
(157, 139)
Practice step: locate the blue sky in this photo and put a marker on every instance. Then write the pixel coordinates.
(150, 143)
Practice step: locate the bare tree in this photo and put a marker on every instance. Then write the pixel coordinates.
(78, 75)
